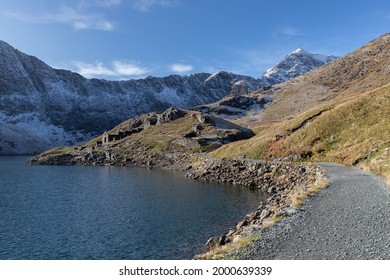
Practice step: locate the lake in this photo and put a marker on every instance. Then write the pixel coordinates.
(114, 213)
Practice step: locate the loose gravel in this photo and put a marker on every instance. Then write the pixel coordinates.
(348, 220)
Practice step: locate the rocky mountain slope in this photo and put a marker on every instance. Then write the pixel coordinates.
(295, 64)
(336, 113)
(42, 107)
(291, 66)
(235, 106)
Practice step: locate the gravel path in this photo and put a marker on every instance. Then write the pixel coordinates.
(348, 220)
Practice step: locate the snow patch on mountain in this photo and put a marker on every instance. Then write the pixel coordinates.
(295, 64)
(170, 96)
(28, 134)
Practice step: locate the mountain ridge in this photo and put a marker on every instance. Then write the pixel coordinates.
(42, 107)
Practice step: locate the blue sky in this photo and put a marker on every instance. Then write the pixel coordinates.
(123, 39)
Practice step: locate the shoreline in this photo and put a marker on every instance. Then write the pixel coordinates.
(286, 183)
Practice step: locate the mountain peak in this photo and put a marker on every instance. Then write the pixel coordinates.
(5, 46)
(299, 50)
(295, 64)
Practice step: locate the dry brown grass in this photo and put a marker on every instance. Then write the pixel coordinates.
(299, 197)
(352, 131)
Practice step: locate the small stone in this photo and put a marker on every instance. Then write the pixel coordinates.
(264, 214)
(290, 210)
(215, 241)
(271, 190)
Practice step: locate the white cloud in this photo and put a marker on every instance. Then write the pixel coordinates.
(128, 69)
(93, 70)
(146, 5)
(78, 18)
(104, 25)
(288, 31)
(181, 68)
(81, 21)
(118, 69)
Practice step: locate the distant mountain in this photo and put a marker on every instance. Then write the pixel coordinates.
(42, 107)
(291, 66)
(295, 64)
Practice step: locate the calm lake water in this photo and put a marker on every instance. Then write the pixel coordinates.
(85, 212)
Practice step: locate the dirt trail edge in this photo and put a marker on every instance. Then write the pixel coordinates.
(348, 220)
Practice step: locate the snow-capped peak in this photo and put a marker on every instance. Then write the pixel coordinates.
(295, 64)
(321, 57)
(299, 50)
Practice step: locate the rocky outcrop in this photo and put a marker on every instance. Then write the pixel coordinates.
(153, 134)
(234, 106)
(170, 114)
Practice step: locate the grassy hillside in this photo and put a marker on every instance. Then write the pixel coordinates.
(172, 131)
(352, 131)
(156, 137)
